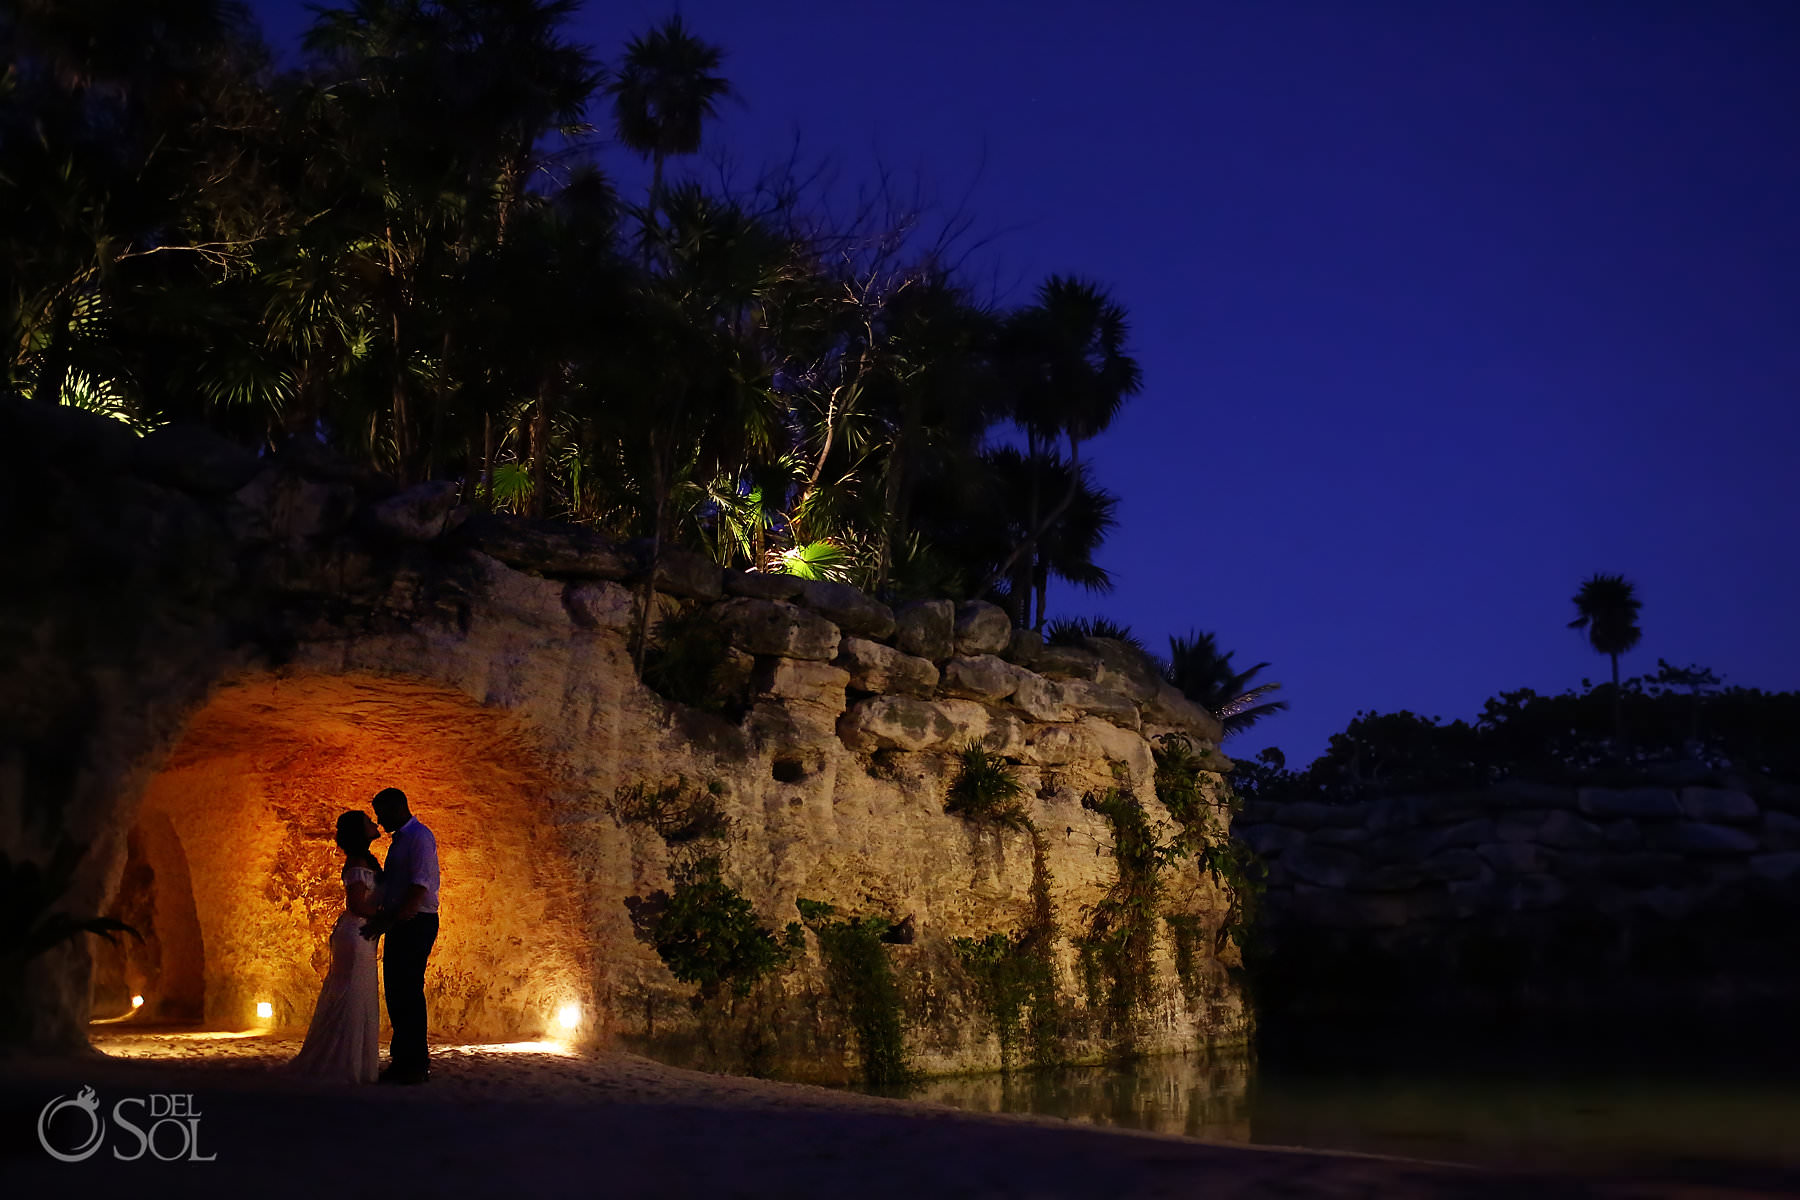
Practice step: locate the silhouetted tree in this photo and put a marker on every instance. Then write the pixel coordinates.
(665, 90)
(1205, 675)
(1606, 608)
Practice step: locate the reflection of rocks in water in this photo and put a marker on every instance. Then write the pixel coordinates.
(1195, 1095)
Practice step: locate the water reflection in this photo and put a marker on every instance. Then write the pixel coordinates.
(1643, 1107)
(1202, 1096)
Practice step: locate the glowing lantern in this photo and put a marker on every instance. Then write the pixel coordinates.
(569, 1016)
(137, 1002)
(264, 1010)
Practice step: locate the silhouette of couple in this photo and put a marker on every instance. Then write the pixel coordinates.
(399, 900)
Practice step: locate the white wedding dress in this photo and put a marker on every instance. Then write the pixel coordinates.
(342, 1043)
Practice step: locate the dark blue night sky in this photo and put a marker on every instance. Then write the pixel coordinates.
(1441, 306)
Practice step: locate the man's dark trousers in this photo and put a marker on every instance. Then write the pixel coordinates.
(408, 946)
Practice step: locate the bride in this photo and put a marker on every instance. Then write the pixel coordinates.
(342, 1041)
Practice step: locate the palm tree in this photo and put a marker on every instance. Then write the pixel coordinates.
(665, 90)
(1067, 357)
(1607, 608)
(1063, 546)
(1204, 674)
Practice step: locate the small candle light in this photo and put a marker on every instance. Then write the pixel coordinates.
(264, 1010)
(137, 1002)
(569, 1016)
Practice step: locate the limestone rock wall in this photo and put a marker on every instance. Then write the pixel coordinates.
(240, 647)
(1530, 897)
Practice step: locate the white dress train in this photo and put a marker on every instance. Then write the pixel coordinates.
(342, 1043)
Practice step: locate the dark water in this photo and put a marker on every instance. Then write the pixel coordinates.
(1649, 1102)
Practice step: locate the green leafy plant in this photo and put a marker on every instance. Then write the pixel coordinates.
(863, 982)
(815, 560)
(1119, 937)
(987, 788)
(687, 662)
(678, 813)
(1015, 973)
(1072, 631)
(1185, 931)
(1178, 784)
(1205, 825)
(707, 932)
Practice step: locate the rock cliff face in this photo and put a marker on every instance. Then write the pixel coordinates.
(221, 652)
(1545, 899)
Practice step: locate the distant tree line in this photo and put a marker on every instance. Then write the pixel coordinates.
(1678, 722)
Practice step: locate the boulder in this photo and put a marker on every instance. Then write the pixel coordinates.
(421, 513)
(1169, 708)
(1103, 702)
(777, 628)
(848, 609)
(600, 604)
(62, 432)
(927, 629)
(1125, 668)
(285, 506)
(895, 723)
(682, 572)
(1567, 831)
(1449, 865)
(1323, 866)
(761, 585)
(1025, 647)
(1119, 745)
(1267, 840)
(1704, 840)
(874, 667)
(1642, 804)
(193, 458)
(907, 723)
(1056, 745)
(1390, 877)
(1624, 834)
(1469, 833)
(1067, 662)
(1529, 893)
(1041, 699)
(1780, 831)
(999, 732)
(1718, 806)
(982, 628)
(1776, 868)
(531, 599)
(1638, 869)
(1513, 857)
(546, 547)
(802, 681)
(1309, 814)
(982, 677)
(1393, 813)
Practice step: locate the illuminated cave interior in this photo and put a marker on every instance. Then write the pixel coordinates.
(232, 873)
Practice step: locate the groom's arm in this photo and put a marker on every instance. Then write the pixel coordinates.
(387, 918)
(408, 908)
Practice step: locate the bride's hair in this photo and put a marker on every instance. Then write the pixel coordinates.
(353, 839)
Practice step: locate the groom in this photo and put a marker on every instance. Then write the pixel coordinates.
(408, 915)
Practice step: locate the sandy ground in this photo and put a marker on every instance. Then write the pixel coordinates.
(534, 1118)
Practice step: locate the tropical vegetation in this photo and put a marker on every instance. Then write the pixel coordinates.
(410, 251)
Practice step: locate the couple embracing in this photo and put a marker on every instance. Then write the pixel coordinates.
(399, 900)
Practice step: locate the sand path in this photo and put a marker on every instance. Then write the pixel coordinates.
(534, 1119)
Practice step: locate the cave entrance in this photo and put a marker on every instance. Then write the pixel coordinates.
(232, 872)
